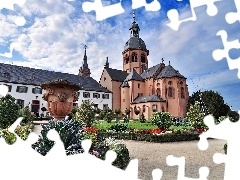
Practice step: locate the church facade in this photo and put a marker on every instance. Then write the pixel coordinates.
(136, 86)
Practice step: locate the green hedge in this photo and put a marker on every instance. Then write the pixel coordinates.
(168, 137)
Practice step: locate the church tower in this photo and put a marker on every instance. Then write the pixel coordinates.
(135, 52)
(84, 70)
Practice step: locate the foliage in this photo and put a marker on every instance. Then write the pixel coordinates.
(233, 116)
(24, 130)
(119, 127)
(86, 113)
(167, 137)
(130, 125)
(195, 116)
(9, 137)
(117, 111)
(125, 119)
(8, 111)
(142, 118)
(26, 114)
(71, 133)
(127, 112)
(136, 111)
(43, 109)
(210, 100)
(107, 115)
(161, 119)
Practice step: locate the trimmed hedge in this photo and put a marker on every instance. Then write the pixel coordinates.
(168, 137)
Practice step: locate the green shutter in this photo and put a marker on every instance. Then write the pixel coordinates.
(33, 90)
(17, 90)
(26, 89)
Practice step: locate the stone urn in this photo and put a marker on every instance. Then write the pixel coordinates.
(60, 95)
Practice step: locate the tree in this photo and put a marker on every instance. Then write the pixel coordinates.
(210, 103)
(195, 116)
(163, 120)
(9, 111)
(233, 116)
(107, 115)
(86, 113)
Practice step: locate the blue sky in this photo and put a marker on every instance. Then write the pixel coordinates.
(56, 31)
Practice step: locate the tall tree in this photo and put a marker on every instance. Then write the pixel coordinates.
(211, 102)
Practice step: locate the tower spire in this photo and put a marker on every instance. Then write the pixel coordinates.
(134, 29)
(84, 70)
(107, 63)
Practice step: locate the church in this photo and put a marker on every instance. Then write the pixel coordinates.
(147, 89)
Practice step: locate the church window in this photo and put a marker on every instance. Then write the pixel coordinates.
(158, 84)
(126, 59)
(143, 59)
(182, 93)
(170, 82)
(158, 92)
(104, 78)
(170, 92)
(138, 85)
(144, 108)
(134, 57)
(154, 107)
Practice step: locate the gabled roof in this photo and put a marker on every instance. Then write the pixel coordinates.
(30, 76)
(148, 73)
(152, 98)
(125, 84)
(133, 75)
(169, 71)
(117, 75)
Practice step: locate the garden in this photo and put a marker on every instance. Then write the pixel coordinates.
(106, 128)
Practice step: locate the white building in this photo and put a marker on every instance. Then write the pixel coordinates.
(24, 86)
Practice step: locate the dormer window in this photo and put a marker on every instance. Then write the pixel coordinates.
(6, 74)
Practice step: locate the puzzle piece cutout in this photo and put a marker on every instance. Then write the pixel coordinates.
(104, 12)
(3, 90)
(232, 17)
(173, 14)
(224, 53)
(180, 162)
(228, 131)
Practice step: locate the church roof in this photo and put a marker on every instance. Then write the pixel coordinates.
(148, 73)
(30, 76)
(169, 71)
(125, 84)
(117, 75)
(135, 43)
(151, 98)
(133, 75)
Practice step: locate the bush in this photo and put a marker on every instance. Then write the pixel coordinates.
(142, 118)
(118, 127)
(71, 133)
(9, 111)
(9, 137)
(162, 120)
(26, 114)
(125, 119)
(86, 113)
(107, 115)
(24, 130)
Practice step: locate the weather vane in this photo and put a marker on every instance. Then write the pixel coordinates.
(134, 16)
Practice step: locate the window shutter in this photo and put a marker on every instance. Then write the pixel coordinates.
(33, 90)
(98, 95)
(26, 89)
(17, 90)
(78, 94)
(103, 96)
(41, 91)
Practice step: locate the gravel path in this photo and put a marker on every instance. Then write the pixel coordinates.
(153, 155)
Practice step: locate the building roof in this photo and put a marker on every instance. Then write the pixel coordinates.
(135, 43)
(30, 76)
(133, 75)
(148, 73)
(169, 71)
(151, 98)
(125, 84)
(117, 75)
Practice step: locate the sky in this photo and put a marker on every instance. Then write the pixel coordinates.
(56, 31)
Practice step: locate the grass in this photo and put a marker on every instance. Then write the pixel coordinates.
(133, 124)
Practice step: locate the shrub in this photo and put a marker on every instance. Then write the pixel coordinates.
(86, 113)
(161, 119)
(71, 133)
(136, 111)
(9, 137)
(24, 130)
(127, 112)
(118, 127)
(26, 114)
(8, 111)
(107, 115)
(142, 118)
(125, 119)
(195, 116)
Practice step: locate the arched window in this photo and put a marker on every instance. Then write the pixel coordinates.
(158, 92)
(134, 57)
(144, 108)
(143, 59)
(170, 92)
(182, 93)
(126, 59)
(170, 82)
